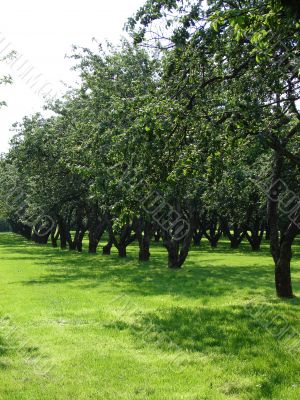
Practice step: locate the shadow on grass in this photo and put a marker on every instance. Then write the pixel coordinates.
(238, 335)
(200, 277)
(207, 272)
(4, 344)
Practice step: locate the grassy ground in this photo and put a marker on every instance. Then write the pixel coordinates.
(93, 327)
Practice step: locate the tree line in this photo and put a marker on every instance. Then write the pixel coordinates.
(189, 129)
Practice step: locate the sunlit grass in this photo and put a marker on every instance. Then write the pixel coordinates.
(77, 326)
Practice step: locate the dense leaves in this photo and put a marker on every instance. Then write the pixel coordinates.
(191, 131)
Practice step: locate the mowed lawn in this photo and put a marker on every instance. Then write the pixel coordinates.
(76, 326)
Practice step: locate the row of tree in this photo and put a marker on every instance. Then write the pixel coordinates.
(190, 130)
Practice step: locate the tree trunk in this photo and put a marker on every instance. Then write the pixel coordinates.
(122, 250)
(179, 250)
(215, 232)
(62, 233)
(267, 234)
(281, 250)
(125, 237)
(80, 240)
(198, 234)
(54, 236)
(157, 236)
(143, 234)
(256, 235)
(283, 280)
(96, 228)
(107, 248)
(236, 237)
(173, 255)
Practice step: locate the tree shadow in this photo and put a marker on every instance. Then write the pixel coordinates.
(255, 337)
(199, 277)
(207, 272)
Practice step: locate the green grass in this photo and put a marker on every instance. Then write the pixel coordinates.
(92, 327)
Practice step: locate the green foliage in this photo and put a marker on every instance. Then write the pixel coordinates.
(189, 120)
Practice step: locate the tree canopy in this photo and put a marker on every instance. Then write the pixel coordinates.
(189, 129)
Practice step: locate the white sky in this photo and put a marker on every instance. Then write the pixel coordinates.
(43, 33)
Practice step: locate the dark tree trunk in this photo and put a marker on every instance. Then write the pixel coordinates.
(70, 241)
(198, 234)
(107, 248)
(234, 233)
(94, 237)
(41, 234)
(62, 233)
(93, 245)
(283, 280)
(267, 234)
(80, 240)
(214, 233)
(157, 236)
(125, 237)
(96, 228)
(256, 235)
(54, 236)
(76, 243)
(178, 250)
(122, 250)
(177, 253)
(143, 233)
(174, 260)
(144, 253)
(281, 249)
(21, 229)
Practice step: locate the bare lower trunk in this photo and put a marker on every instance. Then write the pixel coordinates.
(198, 234)
(122, 250)
(80, 240)
(178, 250)
(122, 238)
(281, 248)
(96, 228)
(142, 229)
(107, 248)
(283, 280)
(62, 233)
(54, 236)
(214, 233)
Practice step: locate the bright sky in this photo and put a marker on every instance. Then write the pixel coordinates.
(42, 32)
